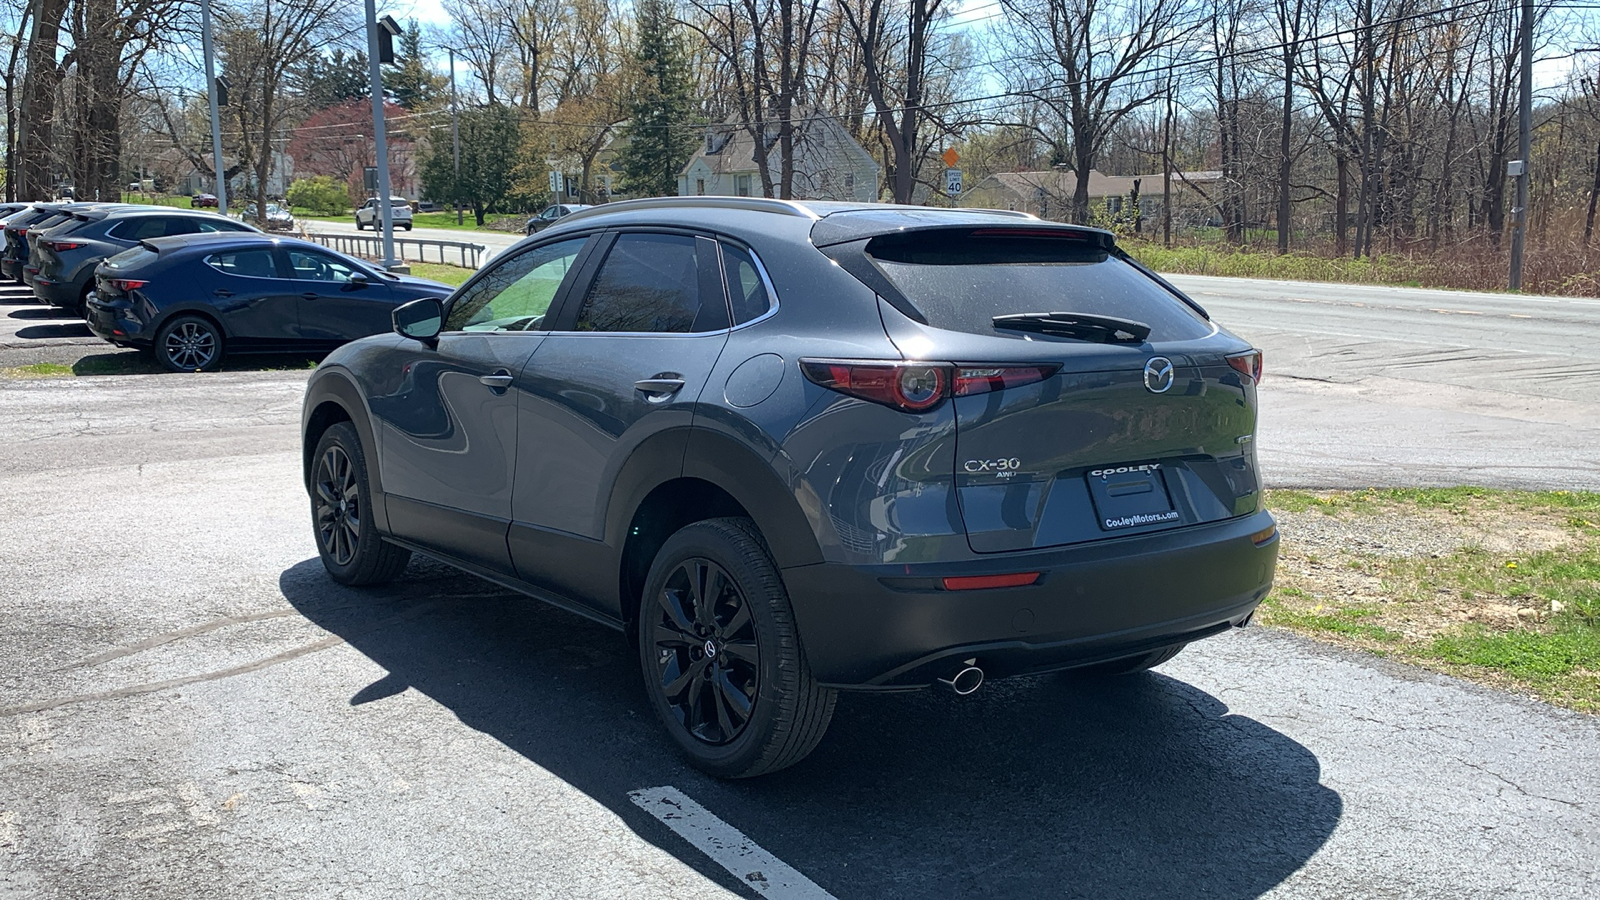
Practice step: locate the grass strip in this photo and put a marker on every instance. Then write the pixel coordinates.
(1501, 587)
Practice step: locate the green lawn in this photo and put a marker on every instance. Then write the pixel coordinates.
(445, 220)
(1512, 600)
(454, 276)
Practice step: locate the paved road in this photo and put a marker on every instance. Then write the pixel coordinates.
(189, 708)
(1397, 386)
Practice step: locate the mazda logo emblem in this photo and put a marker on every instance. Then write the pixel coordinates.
(711, 650)
(1158, 374)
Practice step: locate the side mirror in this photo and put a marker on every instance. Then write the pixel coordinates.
(420, 320)
(359, 280)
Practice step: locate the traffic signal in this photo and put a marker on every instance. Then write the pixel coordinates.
(388, 30)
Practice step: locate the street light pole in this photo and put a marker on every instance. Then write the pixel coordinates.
(216, 116)
(375, 71)
(1519, 213)
(455, 136)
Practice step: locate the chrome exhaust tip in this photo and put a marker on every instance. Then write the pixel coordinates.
(965, 681)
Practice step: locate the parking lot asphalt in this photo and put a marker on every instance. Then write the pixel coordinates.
(190, 708)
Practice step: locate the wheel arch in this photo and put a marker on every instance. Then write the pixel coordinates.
(190, 309)
(688, 476)
(332, 398)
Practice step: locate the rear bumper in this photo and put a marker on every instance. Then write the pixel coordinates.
(115, 322)
(891, 627)
(64, 294)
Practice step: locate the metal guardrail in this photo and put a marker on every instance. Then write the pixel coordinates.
(371, 247)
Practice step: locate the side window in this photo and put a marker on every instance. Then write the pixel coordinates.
(309, 266)
(745, 287)
(516, 293)
(140, 228)
(245, 263)
(181, 225)
(651, 283)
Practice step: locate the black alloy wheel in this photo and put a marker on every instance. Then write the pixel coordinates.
(336, 505)
(189, 344)
(706, 656)
(348, 541)
(721, 654)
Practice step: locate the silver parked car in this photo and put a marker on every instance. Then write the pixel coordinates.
(370, 216)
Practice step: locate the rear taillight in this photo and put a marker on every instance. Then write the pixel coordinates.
(127, 284)
(22, 232)
(1247, 363)
(61, 246)
(917, 386)
(981, 380)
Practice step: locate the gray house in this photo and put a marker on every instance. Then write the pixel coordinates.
(828, 163)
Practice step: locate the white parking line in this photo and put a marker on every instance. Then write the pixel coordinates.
(727, 846)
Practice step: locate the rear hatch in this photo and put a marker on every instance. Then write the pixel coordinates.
(1111, 405)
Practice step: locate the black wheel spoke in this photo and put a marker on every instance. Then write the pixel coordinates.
(737, 702)
(743, 651)
(671, 602)
(738, 621)
(719, 699)
(689, 678)
(665, 637)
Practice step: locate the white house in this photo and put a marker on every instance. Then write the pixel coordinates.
(828, 163)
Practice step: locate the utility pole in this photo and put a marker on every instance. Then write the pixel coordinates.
(375, 71)
(455, 136)
(216, 116)
(1520, 166)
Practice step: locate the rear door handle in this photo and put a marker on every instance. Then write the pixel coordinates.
(219, 292)
(659, 388)
(310, 296)
(497, 382)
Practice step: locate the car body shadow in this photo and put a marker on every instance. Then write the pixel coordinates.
(1141, 786)
(134, 362)
(41, 312)
(63, 330)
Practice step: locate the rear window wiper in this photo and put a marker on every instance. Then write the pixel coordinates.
(1106, 329)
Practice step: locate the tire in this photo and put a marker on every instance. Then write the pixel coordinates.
(189, 344)
(408, 226)
(341, 497)
(359, 226)
(83, 299)
(747, 609)
(1132, 665)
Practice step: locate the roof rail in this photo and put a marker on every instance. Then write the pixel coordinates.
(751, 204)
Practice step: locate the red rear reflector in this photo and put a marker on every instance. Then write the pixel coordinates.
(61, 246)
(984, 582)
(1247, 363)
(127, 284)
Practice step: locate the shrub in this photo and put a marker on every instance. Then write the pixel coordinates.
(320, 195)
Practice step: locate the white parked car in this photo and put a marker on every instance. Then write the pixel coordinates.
(370, 216)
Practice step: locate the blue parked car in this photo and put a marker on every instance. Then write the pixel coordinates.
(192, 299)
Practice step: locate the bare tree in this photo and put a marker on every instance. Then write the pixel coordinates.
(1091, 63)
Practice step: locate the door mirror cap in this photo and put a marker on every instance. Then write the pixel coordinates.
(359, 279)
(420, 320)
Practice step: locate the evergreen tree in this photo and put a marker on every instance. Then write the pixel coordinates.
(331, 80)
(412, 84)
(660, 132)
(489, 145)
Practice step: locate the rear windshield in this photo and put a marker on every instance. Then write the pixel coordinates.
(961, 282)
(128, 259)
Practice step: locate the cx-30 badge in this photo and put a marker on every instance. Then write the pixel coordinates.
(1158, 374)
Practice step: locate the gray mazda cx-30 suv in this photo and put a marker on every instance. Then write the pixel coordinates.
(796, 448)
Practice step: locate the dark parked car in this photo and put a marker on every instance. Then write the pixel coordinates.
(66, 254)
(15, 255)
(203, 201)
(61, 217)
(551, 215)
(796, 448)
(193, 298)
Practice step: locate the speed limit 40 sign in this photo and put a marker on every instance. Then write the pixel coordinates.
(952, 182)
